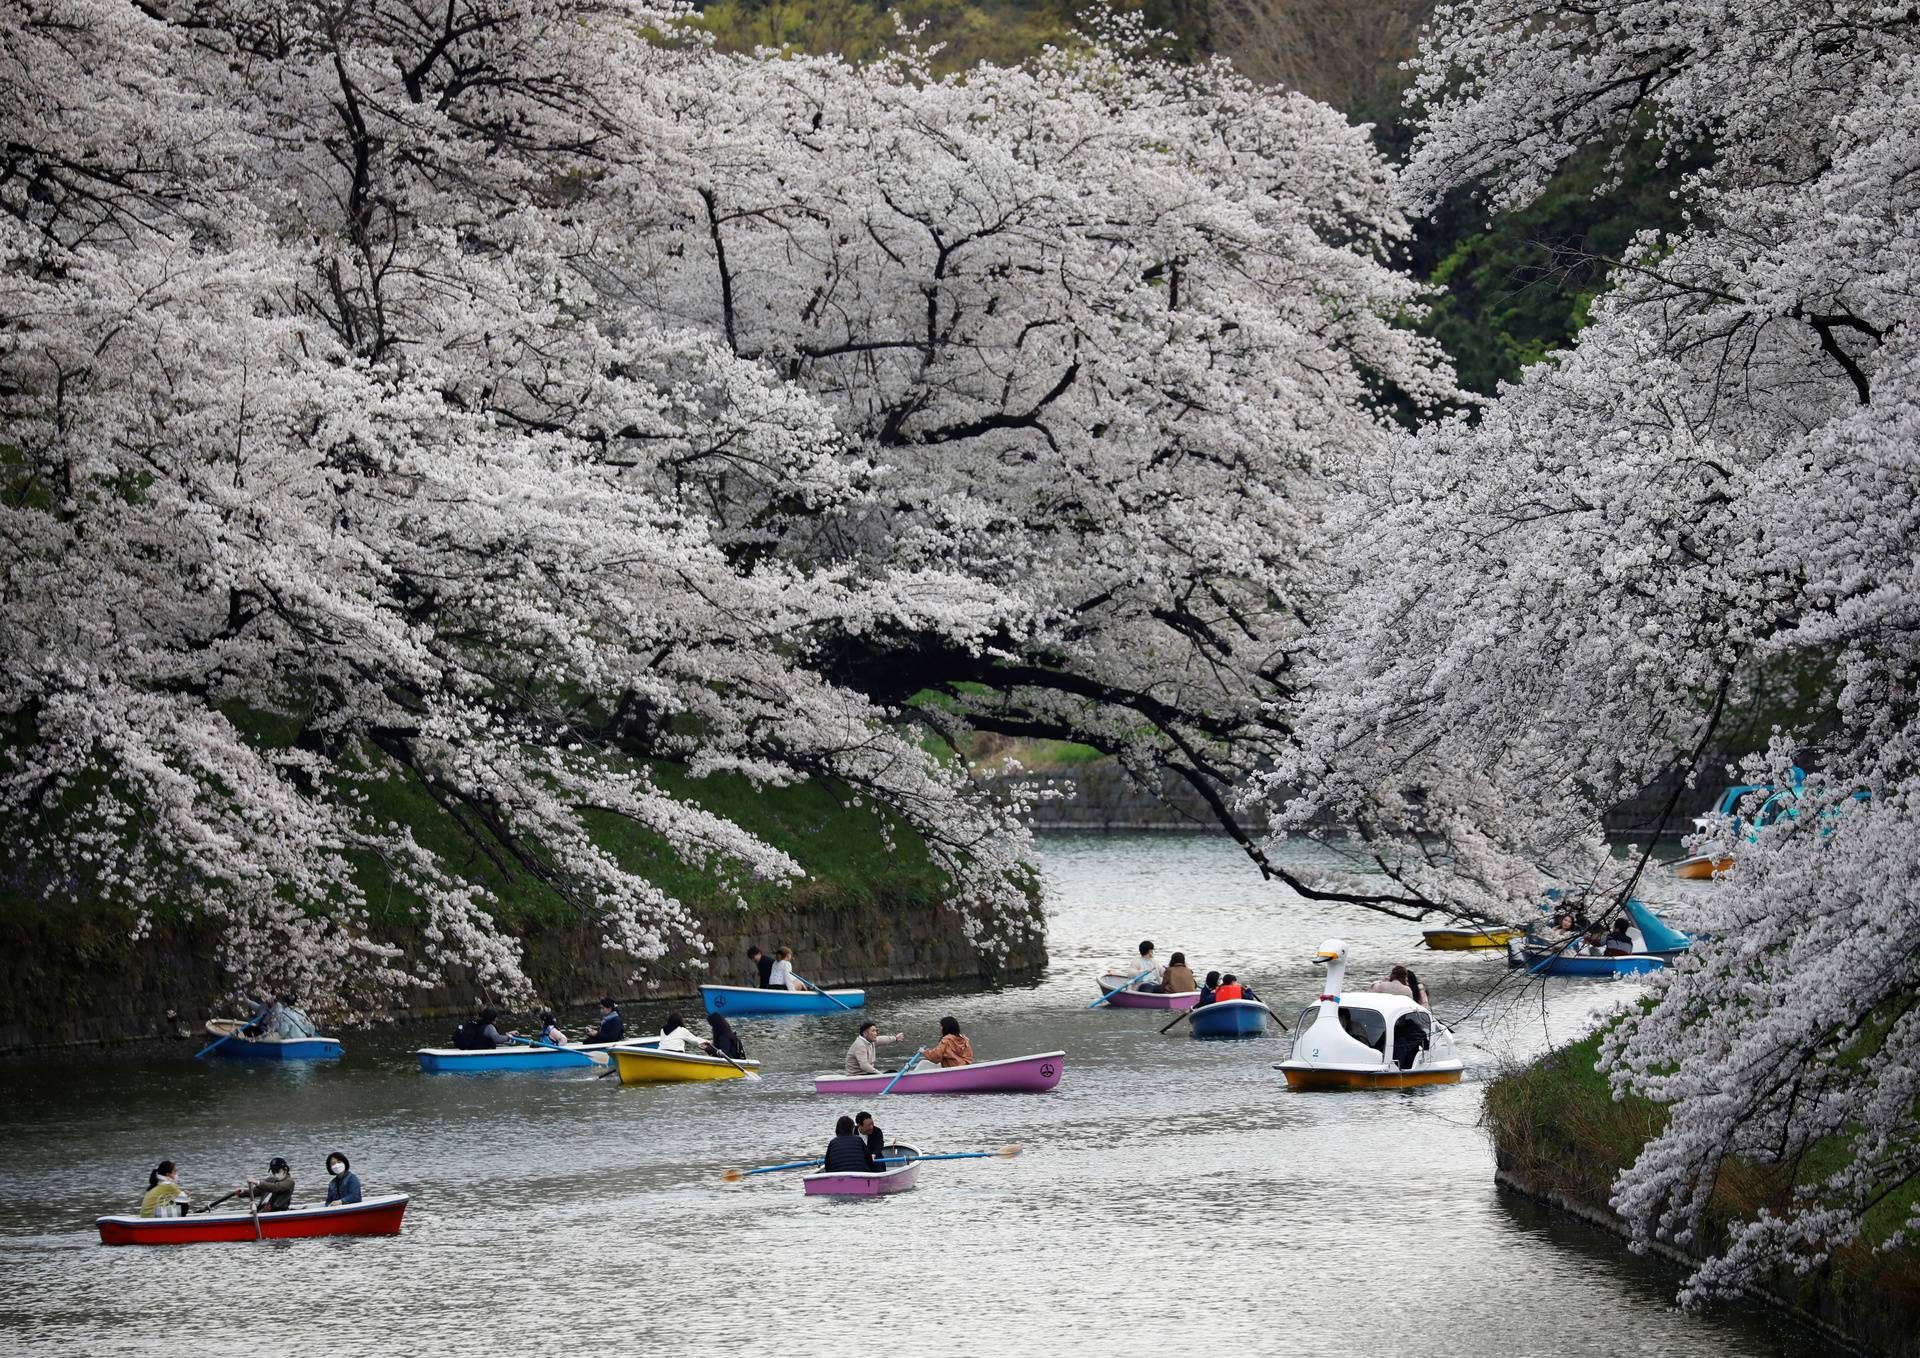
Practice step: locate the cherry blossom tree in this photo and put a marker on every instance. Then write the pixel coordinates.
(1560, 600)
(505, 397)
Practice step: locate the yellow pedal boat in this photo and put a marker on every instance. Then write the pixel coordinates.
(651, 1066)
(1459, 940)
(1702, 868)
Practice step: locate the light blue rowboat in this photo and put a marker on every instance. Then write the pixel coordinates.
(1659, 942)
(458, 1060)
(270, 1048)
(741, 1001)
(1230, 1018)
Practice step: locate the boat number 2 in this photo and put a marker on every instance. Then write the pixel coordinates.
(1046, 1071)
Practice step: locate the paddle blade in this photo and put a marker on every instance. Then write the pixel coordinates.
(1008, 1152)
(732, 1176)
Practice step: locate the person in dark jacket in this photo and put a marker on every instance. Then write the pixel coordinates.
(344, 1186)
(275, 1192)
(762, 965)
(847, 1152)
(1207, 987)
(876, 1139)
(725, 1042)
(612, 1027)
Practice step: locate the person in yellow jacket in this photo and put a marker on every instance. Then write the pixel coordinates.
(164, 1197)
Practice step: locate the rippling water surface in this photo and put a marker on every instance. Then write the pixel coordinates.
(1173, 1196)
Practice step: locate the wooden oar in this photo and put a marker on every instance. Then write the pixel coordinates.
(598, 1058)
(1117, 989)
(816, 989)
(258, 1010)
(744, 1072)
(911, 1062)
(734, 1176)
(1004, 1153)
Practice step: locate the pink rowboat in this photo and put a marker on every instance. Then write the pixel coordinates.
(892, 1179)
(1015, 1075)
(1146, 999)
(374, 1216)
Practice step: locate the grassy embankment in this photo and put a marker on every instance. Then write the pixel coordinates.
(865, 872)
(1557, 1126)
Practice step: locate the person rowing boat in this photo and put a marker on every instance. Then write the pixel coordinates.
(848, 1153)
(275, 1192)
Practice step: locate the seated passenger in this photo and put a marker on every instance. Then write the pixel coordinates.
(876, 1139)
(1619, 942)
(1409, 1040)
(762, 967)
(780, 975)
(865, 1050)
(847, 1152)
(674, 1035)
(164, 1197)
(1208, 988)
(1229, 989)
(1179, 977)
(1594, 940)
(952, 1049)
(275, 1192)
(549, 1031)
(1393, 983)
(613, 1028)
(344, 1185)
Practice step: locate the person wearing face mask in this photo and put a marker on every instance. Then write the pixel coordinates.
(344, 1186)
(275, 1192)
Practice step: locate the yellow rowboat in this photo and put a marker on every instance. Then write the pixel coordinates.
(1701, 868)
(651, 1066)
(1459, 940)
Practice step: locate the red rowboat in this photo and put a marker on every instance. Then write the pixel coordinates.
(373, 1216)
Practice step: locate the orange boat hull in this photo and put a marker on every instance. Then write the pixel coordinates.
(1368, 1079)
(1701, 869)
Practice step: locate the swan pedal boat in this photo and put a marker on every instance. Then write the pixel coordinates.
(371, 1216)
(872, 1184)
(745, 1001)
(515, 1056)
(1462, 940)
(1129, 998)
(1346, 1041)
(1014, 1075)
(644, 1065)
(1230, 1018)
(268, 1047)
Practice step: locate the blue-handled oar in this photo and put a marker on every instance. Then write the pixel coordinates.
(911, 1062)
(734, 1176)
(258, 1010)
(1117, 989)
(595, 1058)
(1004, 1153)
(816, 989)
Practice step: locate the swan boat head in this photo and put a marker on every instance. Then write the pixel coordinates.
(1333, 956)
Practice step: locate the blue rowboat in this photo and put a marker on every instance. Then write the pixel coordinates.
(1230, 1018)
(1655, 944)
(268, 1048)
(441, 1060)
(743, 1001)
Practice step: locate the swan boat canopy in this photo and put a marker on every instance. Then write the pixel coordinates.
(1367, 1040)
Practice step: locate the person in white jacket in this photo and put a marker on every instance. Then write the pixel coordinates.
(782, 977)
